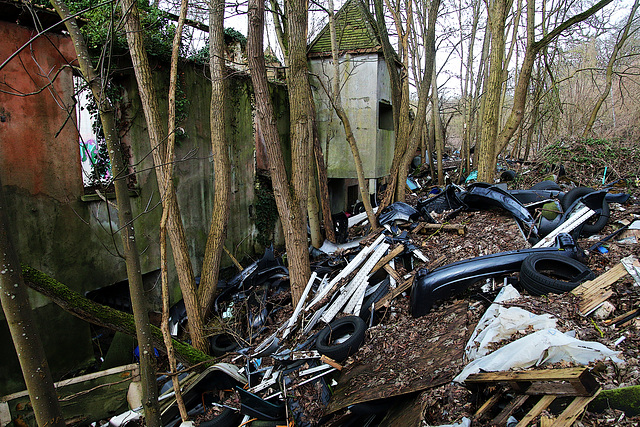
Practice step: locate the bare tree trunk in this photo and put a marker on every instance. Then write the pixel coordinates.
(287, 202)
(312, 210)
(164, 267)
(221, 161)
(439, 137)
(157, 139)
(492, 142)
(26, 341)
(493, 88)
(125, 216)
(423, 93)
(323, 185)
(609, 71)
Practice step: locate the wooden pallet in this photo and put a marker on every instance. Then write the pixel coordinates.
(544, 385)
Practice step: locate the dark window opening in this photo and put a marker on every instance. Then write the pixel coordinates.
(385, 116)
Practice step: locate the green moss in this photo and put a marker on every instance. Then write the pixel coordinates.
(626, 399)
(82, 307)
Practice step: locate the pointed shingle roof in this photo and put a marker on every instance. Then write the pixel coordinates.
(355, 32)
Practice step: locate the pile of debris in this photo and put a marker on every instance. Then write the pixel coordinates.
(452, 312)
(420, 323)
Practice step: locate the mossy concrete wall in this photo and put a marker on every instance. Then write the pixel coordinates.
(74, 241)
(364, 83)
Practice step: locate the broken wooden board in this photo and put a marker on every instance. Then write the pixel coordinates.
(91, 397)
(546, 384)
(384, 301)
(406, 358)
(426, 228)
(596, 291)
(388, 257)
(570, 381)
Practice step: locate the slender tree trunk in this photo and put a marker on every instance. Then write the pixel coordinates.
(423, 92)
(609, 71)
(26, 341)
(157, 139)
(221, 161)
(164, 267)
(125, 216)
(439, 137)
(323, 184)
(288, 204)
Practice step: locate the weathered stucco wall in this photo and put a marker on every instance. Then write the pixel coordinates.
(364, 81)
(41, 177)
(72, 240)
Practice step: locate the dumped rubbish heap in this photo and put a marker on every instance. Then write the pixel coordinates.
(427, 320)
(396, 326)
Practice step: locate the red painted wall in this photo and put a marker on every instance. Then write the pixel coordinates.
(31, 156)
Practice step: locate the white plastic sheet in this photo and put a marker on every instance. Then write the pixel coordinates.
(499, 323)
(546, 346)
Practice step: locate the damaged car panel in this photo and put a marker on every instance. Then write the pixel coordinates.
(452, 279)
(481, 194)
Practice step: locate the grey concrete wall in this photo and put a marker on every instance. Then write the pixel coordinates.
(364, 82)
(73, 241)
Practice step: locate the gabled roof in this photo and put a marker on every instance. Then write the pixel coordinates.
(355, 32)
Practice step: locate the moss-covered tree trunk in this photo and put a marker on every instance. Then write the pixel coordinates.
(26, 341)
(101, 315)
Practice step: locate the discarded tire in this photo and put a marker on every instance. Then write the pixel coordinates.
(341, 338)
(596, 222)
(227, 418)
(542, 274)
(222, 344)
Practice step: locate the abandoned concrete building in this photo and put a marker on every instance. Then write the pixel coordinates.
(62, 227)
(366, 95)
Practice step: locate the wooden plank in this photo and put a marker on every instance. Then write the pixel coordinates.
(587, 306)
(393, 273)
(547, 421)
(424, 228)
(565, 374)
(397, 291)
(388, 257)
(537, 409)
(606, 279)
(486, 406)
(570, 381)
(573, 411)
(515, 403)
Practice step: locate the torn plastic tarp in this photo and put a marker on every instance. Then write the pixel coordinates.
(499, 323)
(449, 280)
(545, 346)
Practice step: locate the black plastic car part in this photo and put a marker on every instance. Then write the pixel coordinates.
(452, 279)
(481, 194)
(398, 211)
